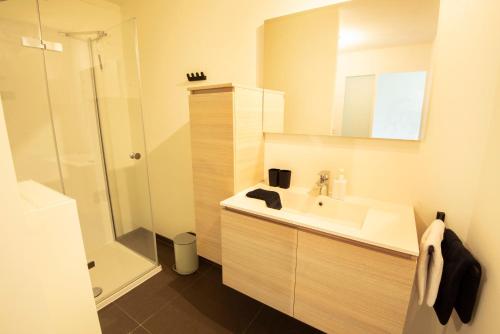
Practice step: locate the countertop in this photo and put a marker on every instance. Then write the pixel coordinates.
(386, 225)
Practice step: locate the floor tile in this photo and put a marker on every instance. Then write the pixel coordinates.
(198, 303)
(149, 297)
(206, 307)
(140, 330)
(141, 241)
(270, 321)
(114, 321)
(165, 254)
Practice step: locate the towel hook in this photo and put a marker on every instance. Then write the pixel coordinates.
(441, 216)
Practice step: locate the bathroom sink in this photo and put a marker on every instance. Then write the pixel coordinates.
(378, 223)
(325, 208)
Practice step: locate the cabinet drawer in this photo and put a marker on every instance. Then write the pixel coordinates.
(259, 259)
(346, 288)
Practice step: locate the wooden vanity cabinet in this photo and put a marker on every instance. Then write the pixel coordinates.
(259, 258)
(342, 287)
(333, 284)
(227, 150)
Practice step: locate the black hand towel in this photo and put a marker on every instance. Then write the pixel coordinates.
(272, 198)
(459, 282)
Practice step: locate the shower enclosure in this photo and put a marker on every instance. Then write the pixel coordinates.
(70, 87)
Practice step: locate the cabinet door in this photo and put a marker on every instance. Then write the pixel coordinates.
(345, 288)
(259, 259)
(212, 151)
(248, 138)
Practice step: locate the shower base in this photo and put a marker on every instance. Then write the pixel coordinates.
(117, 271)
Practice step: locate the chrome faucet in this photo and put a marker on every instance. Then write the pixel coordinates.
(322, 186)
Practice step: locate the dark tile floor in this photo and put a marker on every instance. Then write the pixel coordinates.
(141, 241)
(198, 303)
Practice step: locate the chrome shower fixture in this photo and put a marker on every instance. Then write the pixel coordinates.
(81, 34)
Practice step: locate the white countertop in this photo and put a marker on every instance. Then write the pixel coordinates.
(386, 225)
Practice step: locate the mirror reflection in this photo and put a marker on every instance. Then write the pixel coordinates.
(354, 69)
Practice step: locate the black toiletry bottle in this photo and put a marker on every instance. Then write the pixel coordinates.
(285, 176)
(274, 177)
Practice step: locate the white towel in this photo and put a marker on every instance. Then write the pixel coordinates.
(430, 267)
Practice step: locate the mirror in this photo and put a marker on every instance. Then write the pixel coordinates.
(354, 69)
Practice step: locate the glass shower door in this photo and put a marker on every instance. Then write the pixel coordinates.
(71, 98)
(120, 115)
(23, 91)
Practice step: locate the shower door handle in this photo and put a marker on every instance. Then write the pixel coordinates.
(135, 155)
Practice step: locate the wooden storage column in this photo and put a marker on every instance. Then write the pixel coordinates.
(227, 153)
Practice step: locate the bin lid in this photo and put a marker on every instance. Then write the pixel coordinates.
(184, 239)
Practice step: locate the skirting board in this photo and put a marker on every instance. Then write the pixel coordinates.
(105, 302)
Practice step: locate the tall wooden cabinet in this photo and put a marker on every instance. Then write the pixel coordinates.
(227, 153)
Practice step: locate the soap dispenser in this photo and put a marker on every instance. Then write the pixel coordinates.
(340, 186)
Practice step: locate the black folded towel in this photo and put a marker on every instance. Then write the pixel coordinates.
(272, 198)
(459, 282)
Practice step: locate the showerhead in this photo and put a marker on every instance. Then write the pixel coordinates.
(85, 35)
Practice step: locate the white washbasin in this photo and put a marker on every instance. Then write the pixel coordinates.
(324, 207)
(369, 221)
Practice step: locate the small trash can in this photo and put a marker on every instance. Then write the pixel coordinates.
(186, 258)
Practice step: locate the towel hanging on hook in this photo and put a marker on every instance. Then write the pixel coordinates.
(460, 280)
(430, 262)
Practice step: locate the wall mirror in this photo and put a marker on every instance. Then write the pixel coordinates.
(359, 68)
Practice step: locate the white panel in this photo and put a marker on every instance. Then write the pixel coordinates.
(358, 106)
(60, 262)
(398, 109)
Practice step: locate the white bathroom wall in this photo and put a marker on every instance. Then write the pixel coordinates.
(442, 172)
(225, 40)
(484, 230)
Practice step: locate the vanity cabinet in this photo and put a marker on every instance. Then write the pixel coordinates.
(259, 259)
(227, 153)
(333, 284)
(342, 287)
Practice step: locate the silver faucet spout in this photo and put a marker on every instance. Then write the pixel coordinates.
(322, 185)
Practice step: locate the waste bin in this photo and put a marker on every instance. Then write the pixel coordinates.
(186, 258)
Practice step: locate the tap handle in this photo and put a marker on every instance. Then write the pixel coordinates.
(324, 175)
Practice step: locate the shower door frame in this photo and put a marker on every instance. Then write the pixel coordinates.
(99, 135)
(91, 44)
